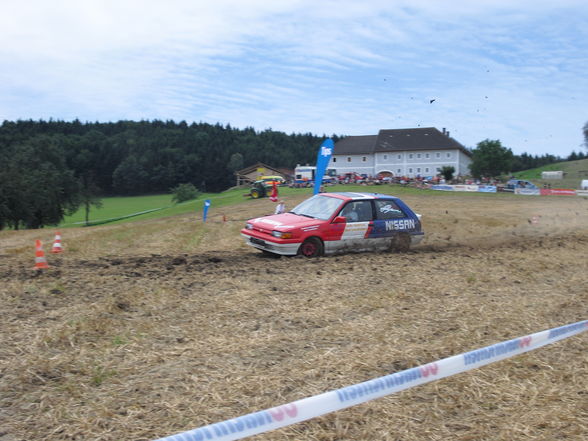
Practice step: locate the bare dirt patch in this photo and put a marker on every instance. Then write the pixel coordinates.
(141, 330)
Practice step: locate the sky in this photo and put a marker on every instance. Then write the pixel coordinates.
(514, 71)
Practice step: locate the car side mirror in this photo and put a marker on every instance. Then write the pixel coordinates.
(340, 220)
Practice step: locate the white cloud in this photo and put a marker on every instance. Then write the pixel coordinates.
(328, 67)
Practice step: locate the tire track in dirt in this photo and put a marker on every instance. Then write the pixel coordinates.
(249, 261)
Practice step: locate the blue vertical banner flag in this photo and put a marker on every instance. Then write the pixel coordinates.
(322, 160)
(205, 213)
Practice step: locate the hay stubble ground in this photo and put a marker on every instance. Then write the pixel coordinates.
(141, 330)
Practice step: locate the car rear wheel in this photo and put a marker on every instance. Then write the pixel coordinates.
(311, 247)
(401, 243)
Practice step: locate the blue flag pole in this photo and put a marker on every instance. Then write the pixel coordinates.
(205, 212)
(322, 160)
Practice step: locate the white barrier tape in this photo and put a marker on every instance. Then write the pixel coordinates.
(307, 408)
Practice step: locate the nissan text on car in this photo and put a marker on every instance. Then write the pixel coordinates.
(329, 223)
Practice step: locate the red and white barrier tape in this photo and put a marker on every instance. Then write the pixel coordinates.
(311, 407)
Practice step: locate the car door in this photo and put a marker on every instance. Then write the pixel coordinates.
(359, 222)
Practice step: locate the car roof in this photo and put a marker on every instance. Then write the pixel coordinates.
(358, 196)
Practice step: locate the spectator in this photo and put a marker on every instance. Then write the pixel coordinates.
(281, 207)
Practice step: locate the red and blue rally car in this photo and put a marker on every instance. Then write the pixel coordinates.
(329, 223)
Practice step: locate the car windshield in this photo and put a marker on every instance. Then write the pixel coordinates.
(318, 207)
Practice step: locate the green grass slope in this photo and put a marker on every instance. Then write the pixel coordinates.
(574, 172)
(125, 209)
(115, 207)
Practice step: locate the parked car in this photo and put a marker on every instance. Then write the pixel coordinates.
(350, 178)
(329, 223)
(513, 184)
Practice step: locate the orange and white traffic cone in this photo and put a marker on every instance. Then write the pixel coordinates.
(57, 244)
(40, 261)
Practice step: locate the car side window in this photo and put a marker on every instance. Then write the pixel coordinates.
(388, 210)
(357, 211)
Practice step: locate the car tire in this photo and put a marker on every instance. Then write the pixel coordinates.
(401, 243)
(311, 247)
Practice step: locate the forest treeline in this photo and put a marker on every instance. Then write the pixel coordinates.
(526, 161)
(53, 167)
(50, 168)
(129, 157)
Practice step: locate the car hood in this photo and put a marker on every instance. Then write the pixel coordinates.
(283, 222)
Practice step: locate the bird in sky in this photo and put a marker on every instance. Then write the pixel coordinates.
(432, 101)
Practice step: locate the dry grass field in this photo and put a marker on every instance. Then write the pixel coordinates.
(141, 330)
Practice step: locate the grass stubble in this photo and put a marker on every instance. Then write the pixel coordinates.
(145, 329)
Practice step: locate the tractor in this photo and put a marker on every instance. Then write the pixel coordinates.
(259, 189)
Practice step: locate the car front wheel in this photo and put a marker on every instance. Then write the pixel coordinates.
(311, 247)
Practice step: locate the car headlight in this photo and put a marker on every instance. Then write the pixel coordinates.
(248, 226)
(281, 235)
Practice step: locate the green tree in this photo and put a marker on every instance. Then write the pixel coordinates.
(491, 159)
(13, 209)
(184, 192)
(130, 177)
(83, 164)
(38, 188)
(89, 194)
(573, 156)
(236, 162)
(447, 172)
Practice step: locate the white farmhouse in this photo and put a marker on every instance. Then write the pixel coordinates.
(401, 152)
